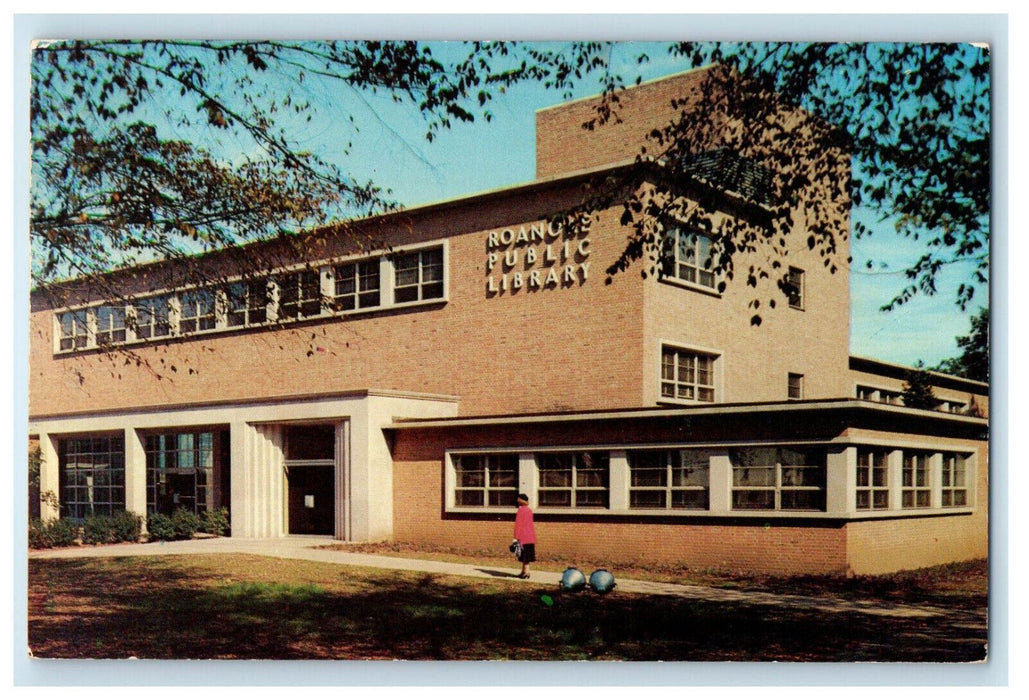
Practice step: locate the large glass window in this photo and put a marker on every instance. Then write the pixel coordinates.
(954, 480)
(196, 311)
(357, 285)
(778, 478)
(916, 491)
(419, 275)
(74, 330)
(688, 257)
(573, 479)
(687, 375)
(247, 303)
(300, 295)
(873, 486)
(92, 475)
(180, 471)
(485, 480)
(669, 478)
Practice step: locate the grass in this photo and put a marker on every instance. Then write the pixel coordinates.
(249, 607)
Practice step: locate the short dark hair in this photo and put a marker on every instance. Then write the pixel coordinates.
(523, 497)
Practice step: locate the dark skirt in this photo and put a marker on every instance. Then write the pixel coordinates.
(528, 553)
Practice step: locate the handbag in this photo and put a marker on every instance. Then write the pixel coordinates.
(516, 549)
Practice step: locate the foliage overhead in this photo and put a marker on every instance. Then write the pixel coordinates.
(115, 183)
(974, 360)
(901, 129)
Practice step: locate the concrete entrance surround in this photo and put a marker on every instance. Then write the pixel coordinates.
(363, 469)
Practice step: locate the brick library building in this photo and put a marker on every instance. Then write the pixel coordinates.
(409, 391)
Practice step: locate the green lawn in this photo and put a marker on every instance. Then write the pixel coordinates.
(239, 606)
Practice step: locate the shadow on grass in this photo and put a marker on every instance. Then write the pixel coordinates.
(157, 609)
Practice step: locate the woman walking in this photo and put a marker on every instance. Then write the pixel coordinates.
(525, 533)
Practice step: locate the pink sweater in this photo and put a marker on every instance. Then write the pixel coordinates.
(524, 530)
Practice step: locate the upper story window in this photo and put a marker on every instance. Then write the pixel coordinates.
(300, 294)
(319, 291)
(74, 330)
(871, 393)
(777, 478)
(687, 375)
(873, 486)
(794, 288)
(574, 479)
(485, 480)
(247, 303)
(151, 318)
(110, 325)
(357, 285)
(196, 311)
(688, 257)
(669, 478)
(419, 275)
(794, 386)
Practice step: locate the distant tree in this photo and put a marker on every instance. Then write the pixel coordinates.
(974, 360)
(918, 388)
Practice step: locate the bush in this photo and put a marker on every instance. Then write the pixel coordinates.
(215, 522)
(186, 523)
(53, 533)
(160, 527)
(97, 529)
(126, 526)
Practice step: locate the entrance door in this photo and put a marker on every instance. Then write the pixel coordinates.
(311, 477)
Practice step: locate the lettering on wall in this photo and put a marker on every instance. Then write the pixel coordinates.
(534, 257)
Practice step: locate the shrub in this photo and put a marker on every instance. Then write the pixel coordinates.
(97, 529)
(126, 526)
(53, 533)
(160, 527)
(185, 522)
(38, 534)
(215, 522)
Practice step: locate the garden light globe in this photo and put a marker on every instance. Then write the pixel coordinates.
(573, 580)
(602, 581)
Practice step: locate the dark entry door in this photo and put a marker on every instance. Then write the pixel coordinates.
(312, 499)
(311, 476)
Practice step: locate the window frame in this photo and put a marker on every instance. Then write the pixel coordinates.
(420, 267)
(948, 488)
(794, 385)
(676, 384)
(911, 492)
(363, 297)
(669, 490)
(779, 486)
(489, 464)
(201, 465)
(306, 284)
(870, 470)
(106, 458)
(79, 337)
(204, 318)
(794, 287)
(672, 264)
(241, 311)
(575, 470)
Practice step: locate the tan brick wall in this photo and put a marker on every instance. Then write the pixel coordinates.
(879, 546)
(572, 347)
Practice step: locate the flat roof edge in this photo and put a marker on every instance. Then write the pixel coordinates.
(648, 412)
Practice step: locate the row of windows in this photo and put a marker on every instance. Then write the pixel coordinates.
(688, 256)
(894, 397)
(762, 478)
(415, 276)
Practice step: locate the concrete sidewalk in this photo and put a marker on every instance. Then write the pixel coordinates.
(311, 549)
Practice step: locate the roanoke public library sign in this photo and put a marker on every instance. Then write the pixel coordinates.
(542, 255)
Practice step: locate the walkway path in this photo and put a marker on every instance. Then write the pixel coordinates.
(312, 549)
